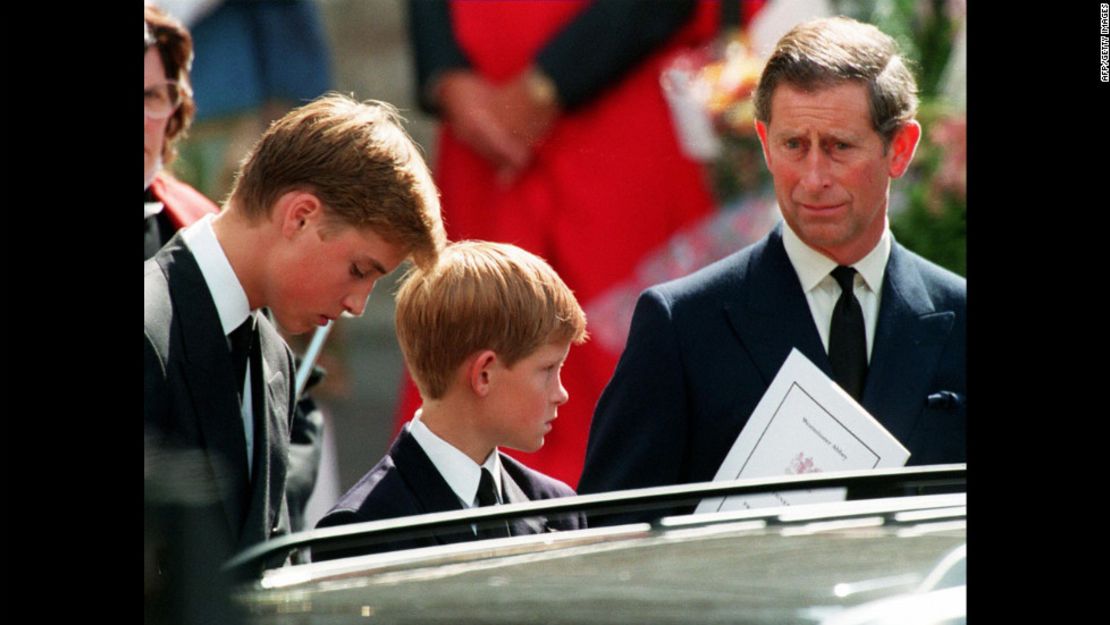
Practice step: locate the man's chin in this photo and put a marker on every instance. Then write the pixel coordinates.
(292, 328)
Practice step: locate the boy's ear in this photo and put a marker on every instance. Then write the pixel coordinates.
(479, 372)
(296, 210)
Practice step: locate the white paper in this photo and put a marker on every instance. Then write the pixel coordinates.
(805, 423)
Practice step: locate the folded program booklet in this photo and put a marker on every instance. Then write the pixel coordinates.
(805, 423)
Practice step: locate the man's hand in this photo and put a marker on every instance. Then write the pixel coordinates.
(527, 107)
(468, 102)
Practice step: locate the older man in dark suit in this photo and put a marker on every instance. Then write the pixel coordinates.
(835, 110)
(334, 196)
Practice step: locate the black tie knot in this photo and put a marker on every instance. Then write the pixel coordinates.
(845, 277)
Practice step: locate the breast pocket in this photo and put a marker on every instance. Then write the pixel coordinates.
(941, 435)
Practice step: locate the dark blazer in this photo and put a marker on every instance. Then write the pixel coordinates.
(185, 205)
(190, 400)
(406, 483)
(703, 349)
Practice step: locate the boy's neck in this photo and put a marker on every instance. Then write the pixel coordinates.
(453, 422)
(243, 244)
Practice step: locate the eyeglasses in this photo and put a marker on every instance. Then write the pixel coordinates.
(162, 100)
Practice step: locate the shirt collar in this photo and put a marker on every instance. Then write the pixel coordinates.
(223, 284)
(460, 472)
(813, 266)
(151, 204)
(152, 208)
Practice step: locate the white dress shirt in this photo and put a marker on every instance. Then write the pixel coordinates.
(461, 473)
(231, 304)
(821, 288)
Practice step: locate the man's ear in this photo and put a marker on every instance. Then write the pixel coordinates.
(903, 147)
(479, 372)
(761, 130)
(295, 210)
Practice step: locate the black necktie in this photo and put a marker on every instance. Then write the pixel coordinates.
(487, 496)
(847, 337)
(241, 340)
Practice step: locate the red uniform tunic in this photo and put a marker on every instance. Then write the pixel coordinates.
(182, 203)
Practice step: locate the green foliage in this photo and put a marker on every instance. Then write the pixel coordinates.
(939, 235)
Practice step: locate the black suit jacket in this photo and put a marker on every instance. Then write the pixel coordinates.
(406, 483)
(703, 349)
(190, 400)
(184, 205)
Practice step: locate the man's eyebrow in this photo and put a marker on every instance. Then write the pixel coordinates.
(844, 135)
(374, 264)
(377, 265)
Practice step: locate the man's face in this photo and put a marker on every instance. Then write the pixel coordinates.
(831, 174)
(524, 399)
(323, 271)
(154, 130)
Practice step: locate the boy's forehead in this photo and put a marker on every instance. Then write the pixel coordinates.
(556, 347)
(364, 245)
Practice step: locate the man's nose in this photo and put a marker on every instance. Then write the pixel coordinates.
(355, 302)
(816, 175)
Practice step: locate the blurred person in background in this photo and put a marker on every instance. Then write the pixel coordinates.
(256, 59)
(169, 107)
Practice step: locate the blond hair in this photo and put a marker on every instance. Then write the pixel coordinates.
(481, 295)
(359, 162)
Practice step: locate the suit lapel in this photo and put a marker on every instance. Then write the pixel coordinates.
(511, 492)
(431, 491)
(909, 339)
(210, 377)
(769, 313)
(270, 429)
(277, 419)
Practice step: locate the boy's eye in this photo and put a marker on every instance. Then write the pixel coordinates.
(356, 272)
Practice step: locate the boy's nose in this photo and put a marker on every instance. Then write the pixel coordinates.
(561, 395)
(355, 303)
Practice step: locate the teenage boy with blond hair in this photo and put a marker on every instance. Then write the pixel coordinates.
(484, 334)
(333, 196)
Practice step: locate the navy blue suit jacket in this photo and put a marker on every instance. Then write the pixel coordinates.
(406, 483)
(703, 349)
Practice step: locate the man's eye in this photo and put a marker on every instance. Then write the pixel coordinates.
(356, 272)
(792, 144)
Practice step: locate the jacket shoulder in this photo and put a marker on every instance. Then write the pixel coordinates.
(535, 484)
(945, 287)
(380, 494)
(713, 280)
